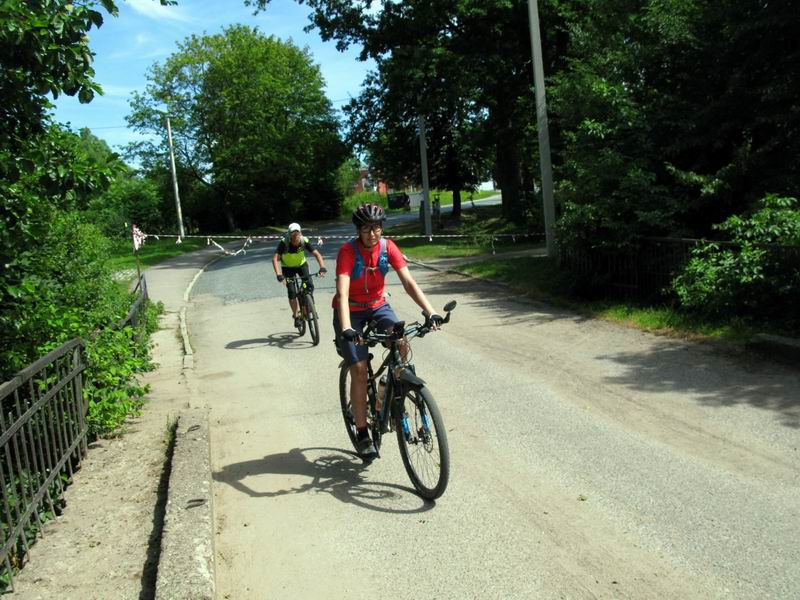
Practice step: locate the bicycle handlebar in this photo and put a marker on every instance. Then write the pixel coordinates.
(298, 276)
(416, 329)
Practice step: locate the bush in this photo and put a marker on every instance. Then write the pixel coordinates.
(758, 275)
(67, 292)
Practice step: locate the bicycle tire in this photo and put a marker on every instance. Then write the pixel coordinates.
(344, 400)
(313, 322)
(301, 328)
(425, 453)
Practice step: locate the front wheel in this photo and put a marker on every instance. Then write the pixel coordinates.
(300, 323)
(423, 442)
(313, 322)
(347, 409)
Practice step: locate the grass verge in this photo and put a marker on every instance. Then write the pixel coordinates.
(540, 278)
(152, 253)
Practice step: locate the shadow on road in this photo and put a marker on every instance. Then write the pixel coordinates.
(713, 380)
(285, 341)
(699, 371)
(334, 471)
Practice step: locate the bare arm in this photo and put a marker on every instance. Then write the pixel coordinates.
(321, 262)
(412, 289)
(343, 295)
(276, 263)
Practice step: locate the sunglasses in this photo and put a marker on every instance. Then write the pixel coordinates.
(367, 228)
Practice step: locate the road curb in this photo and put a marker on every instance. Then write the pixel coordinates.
(186, 564)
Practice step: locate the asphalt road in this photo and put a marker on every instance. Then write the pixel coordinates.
(588, 460)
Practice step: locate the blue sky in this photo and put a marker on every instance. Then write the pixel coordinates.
(146, 32)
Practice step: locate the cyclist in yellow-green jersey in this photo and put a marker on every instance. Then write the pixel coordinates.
(290, 259)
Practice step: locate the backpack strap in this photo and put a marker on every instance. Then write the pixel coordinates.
(358, 265)
(383, 260)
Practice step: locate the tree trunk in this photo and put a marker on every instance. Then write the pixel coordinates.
(508, 175)
(456, 204)
(226, 207)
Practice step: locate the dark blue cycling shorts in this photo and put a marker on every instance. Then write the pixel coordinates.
(350, 352)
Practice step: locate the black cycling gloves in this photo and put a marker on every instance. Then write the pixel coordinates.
(280, 278)
(435, 319)
(350, 334)
(323, 270)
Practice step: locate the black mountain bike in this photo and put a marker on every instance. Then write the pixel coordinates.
(401, 402)
(308, 312)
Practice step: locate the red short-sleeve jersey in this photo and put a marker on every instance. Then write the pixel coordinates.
(369, 287)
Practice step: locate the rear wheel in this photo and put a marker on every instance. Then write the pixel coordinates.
(423, 442)
(313, 322)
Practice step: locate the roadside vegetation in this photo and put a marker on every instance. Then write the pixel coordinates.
(697, 303)
(541, 278)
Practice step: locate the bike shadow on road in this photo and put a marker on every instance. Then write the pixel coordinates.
(334, 471)
(284, 341)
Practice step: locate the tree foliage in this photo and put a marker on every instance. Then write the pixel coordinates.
(674, 115)
(251, 123)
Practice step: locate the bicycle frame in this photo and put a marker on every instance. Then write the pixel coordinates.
(399, 373)
(299, 286)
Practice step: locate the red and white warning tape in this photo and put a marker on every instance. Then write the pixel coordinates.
(139, 238)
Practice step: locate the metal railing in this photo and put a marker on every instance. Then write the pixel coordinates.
(43, 439)
(136, 313)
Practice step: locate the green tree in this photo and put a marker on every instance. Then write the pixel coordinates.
(383, 123)
(251, 121)
(460, 64)
(129, 199)
(54, 283)
(674, 115)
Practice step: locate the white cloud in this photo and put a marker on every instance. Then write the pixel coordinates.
(154, 10)
(117, 91)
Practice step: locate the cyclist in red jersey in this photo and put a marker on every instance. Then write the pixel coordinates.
(361, 267)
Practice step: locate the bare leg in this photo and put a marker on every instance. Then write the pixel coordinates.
(358, 392)
(295, 307)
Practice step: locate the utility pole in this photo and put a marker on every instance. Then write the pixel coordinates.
(175, 181)
(423, 153)
(544, 133)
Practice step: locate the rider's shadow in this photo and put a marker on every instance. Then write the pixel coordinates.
(285, 341)
(338, 473)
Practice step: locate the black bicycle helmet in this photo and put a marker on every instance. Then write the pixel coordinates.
(368, 213)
